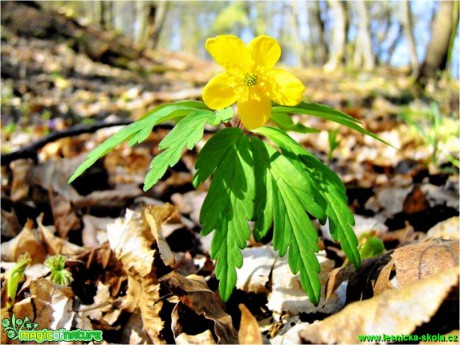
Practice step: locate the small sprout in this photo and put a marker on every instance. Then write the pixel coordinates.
(59, 275)
(13, 278)
(370, 245)
(334, 143)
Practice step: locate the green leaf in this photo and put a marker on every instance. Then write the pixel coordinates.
(139, 130)
(283, 200)
(214, 150)
(313, 201)
(229, 204)
(223, 115)
(370, 245)
(285, 122)
(185, 134)
(328, 187)
(108, 145)
(328, 113)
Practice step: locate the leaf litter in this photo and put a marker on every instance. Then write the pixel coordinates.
(142, 273)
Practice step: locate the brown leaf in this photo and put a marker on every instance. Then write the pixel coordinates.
(56, 245)
(287, 294)
(394, 312)
(65, 219)
(410, 263)
(155, 216)
(131, 240)
(254, 275)
(26, 241)
(415, 201)
(20, 186)
(421, 260)
(194, 293)
(249, 332)
(446, 230)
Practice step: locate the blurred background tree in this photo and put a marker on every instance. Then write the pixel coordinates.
(358, 35)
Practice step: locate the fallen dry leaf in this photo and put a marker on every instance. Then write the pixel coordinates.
(287, 294)
(254, 275)
(408, 264)
(20, 186)
(50, 306)
(415, 201)
(249, 332)
(26, 241)
(56, 245)
(394, 312)
(421, 260)
(132, 241)
(65, 219)
(446, 230)
(194, 294)
(155, 216)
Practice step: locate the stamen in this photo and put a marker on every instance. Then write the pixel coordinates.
(250, 79)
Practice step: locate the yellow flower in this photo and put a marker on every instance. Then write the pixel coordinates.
(250, 79)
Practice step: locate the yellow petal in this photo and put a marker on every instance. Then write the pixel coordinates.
(265, 51)
(230, 52)
(254, 110)
(284, 88)
(219, 92)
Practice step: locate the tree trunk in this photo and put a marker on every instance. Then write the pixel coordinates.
(321, 51)
(364, 56)
(394, 43)
(409, 33)
(156, 15)
(102, 13)
(339, 34)
(438, 48)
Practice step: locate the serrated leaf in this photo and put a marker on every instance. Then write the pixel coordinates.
(108, 145)
(185, 134)
(214, 150)
(139, 130)
(313, 201)
(293, 231)
(285, 122)
(223, 115)
(229, 204)
(328, 187)
(328, 113)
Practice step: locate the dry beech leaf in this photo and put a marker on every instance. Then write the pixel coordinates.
(20, 186)
(198, 339)
(394, 312)
(194, 294)
(249, 332)
(446, 230)
(65, 219)
(131, 241)
(133, 331)
(155, 216)
(56, 245)
(182, 320)
(287, 294)
(421, 260)
(415, 201)
(408, 263)
(254, 275)
(26, 241)
(50, 306)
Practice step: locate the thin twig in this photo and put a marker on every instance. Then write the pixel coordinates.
(30, 151)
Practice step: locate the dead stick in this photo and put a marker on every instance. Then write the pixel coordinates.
(30, 151)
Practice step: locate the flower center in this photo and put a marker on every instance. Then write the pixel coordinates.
(250, 79)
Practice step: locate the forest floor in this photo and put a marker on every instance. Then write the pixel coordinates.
(407, 198)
